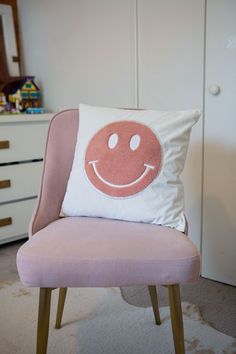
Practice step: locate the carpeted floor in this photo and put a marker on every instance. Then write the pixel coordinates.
(216, 301)
(98, 320)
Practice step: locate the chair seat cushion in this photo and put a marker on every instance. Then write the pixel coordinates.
(88, 252)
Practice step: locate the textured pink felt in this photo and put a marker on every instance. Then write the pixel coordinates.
(123, 170)
(80, 251)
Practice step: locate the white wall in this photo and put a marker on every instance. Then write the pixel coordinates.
(67, 45)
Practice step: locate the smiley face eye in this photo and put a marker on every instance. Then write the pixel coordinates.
(113, 141)
(134, 142)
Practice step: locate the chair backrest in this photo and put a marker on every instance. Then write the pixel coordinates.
(59, 154)
(60, 146)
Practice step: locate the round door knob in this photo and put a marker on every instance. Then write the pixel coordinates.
(214, 90)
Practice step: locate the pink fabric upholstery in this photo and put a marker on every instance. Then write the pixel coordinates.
(58, 161)
(80, 251)
(74, 252)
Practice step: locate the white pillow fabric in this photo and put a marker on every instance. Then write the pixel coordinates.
(127, 165)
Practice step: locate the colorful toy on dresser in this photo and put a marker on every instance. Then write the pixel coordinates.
(21, 95)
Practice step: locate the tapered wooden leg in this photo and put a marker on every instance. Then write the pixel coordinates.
(153, 295)
(60, 306)
(43, 320)
(176, 318)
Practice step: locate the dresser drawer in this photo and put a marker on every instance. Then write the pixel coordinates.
(15, 218)
(20, 181)
(22, 141)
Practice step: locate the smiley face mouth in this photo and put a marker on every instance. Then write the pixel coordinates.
(144, 174)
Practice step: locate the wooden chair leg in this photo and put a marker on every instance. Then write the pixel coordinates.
(176, 318)
(60, 306)
(43, 320)
(153, 295)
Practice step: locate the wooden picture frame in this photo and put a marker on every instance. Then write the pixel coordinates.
(14, 60)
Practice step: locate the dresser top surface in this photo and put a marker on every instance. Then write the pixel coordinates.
(16, 118)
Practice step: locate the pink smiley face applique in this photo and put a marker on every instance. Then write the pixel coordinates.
(123, 158)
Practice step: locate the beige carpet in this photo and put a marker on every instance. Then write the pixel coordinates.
(99, 321)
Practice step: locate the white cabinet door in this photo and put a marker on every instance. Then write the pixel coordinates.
(171, 68)
(219, 206)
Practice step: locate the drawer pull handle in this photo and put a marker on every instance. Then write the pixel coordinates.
(5, 183)
(5, 222)
(4, 144)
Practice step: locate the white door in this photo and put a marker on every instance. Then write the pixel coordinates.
(171, 68)
(219, 203)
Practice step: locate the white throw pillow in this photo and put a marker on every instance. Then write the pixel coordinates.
(127, 165)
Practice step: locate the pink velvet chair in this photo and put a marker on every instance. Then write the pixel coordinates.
(95, 252)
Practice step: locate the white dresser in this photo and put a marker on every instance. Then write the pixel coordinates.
(22, 145)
